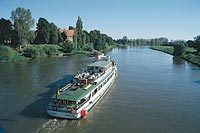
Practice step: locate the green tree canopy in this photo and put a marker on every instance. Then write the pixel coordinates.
(5, 31)
(42, 32)
(79, 32)
(179, 48)
(197, 44)
(53, 39)
(60, 38)
(23, 22)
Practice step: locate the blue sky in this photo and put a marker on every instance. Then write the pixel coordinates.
(174, 19)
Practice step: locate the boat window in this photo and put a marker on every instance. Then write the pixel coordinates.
(94, 92)
(101, 86)
(82, 101)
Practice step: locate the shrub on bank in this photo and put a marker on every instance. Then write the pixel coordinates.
(7, 54)
(88, 47)
(41, 50)
(67, 46)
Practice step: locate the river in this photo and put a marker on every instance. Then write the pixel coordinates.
(153, 93)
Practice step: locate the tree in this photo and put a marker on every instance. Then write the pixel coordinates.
(179, 48)
(79, 32)
(60, 38)
(190, 43)
(15, 39)
(197, 44)
(42, 32)
(23, 22)
(64, 36)
(53, 38)
(67, 46)
(5, 31)
(87, 37)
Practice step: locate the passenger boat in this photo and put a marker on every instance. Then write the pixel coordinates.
(74, 100)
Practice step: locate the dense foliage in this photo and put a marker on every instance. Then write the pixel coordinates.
(41, 50)
(142, 42)
(22, 22)
(179, 48)
(42, 32)
(8, 54)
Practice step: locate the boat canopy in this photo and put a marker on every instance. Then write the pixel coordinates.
(102, 64)
(74, 95)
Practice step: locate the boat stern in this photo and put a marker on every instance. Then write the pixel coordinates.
(66, 115)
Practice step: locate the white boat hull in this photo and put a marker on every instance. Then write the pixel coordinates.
(88, 105)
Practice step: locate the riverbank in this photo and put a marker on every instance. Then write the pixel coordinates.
(8, 54)
(189, 54)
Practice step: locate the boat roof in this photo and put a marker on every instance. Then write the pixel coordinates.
(75, 95)
(100, 64)
(79, 93)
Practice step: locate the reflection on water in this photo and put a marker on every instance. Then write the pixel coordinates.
(178, 61)
(153, 93)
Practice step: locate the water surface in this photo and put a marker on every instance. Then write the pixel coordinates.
(154, 93)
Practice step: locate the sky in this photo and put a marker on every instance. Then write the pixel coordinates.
(174, 19)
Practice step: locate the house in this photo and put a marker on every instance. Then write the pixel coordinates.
(69, 33)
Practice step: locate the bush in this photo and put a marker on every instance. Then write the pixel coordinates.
(88, 47)
(5, 53)
(67, 46)
(51, 51)
(41, 50)
(31, 52)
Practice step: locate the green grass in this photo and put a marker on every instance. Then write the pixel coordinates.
(166, 49)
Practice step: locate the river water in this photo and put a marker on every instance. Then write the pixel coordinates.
(153, 93)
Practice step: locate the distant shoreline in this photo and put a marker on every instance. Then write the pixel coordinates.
(194, 59)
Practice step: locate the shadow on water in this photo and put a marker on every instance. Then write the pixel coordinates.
(38, 108)
(2, 130)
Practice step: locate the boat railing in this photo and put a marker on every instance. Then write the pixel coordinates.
(65, 87)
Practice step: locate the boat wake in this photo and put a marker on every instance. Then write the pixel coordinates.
(51, 126)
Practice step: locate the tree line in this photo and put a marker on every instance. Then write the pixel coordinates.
(180, 45)
(141, 41)
(18, 31)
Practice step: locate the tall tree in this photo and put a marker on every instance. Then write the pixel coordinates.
(60, 38)
(64, 36)
(23, 22)
(197, 44)
(53, 39)
(87, 36)
(5, 31)
(179, 48)
(79, 32)
(42, 32)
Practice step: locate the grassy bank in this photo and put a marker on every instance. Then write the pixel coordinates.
(33, 51)
(8, 54)
(189, 54)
